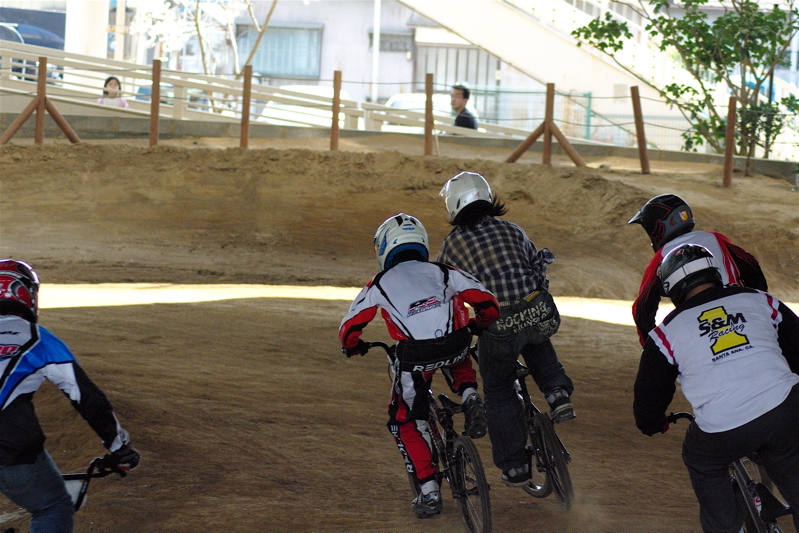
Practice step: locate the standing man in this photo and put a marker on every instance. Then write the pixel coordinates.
(458, 99)
(501, 255)
(29, 355)
(669, 222)
(735, 352)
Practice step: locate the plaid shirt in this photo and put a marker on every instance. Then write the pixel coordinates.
(499, 254)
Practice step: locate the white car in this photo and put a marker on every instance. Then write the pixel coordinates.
(416, 102)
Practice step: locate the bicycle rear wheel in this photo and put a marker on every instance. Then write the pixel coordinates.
(470, 486)
(743, 488)
(556, 462)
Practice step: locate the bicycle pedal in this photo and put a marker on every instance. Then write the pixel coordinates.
(563, 416)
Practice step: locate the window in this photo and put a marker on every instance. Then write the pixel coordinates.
(285, 50)
(393, 41)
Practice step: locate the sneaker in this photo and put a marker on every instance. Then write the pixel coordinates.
(475, 411)
(561, 408)
(427, 505)
(518, 476)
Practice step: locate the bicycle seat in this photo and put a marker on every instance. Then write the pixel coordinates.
(521, 371)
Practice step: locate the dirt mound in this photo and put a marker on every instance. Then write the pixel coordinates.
(247, 415)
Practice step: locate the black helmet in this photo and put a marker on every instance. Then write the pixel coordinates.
(663, 218)
(687, 267)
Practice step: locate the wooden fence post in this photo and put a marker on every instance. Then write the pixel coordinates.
(39, 104)
(643, 153)
(549, 112)
(334, 128)
(729, 141)
(245, 107)
(41, 92)
(428, 114)
(155, 95)
(547, 129)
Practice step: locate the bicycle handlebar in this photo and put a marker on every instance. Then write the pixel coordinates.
(372, 344)
(379, 344)
(673, 417)
(99, 467)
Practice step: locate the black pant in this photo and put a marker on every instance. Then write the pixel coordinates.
(774, 436)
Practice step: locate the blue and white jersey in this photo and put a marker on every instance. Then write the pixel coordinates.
(29, 355)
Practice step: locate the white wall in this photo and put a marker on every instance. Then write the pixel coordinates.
(87, 27)
(345, 41)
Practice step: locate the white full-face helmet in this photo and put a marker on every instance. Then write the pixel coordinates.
(464, 189)
(398, 234)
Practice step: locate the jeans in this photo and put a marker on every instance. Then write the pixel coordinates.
(498, 350)
(774, 436)
(39, 489)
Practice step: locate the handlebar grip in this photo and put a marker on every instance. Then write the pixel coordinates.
(673, 417)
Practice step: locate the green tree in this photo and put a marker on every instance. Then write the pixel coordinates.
(738, 50)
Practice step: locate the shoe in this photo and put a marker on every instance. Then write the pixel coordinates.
(518, 476)
(427, 505)
(561, 408)
(475, 411)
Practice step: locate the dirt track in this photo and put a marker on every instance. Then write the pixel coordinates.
(247, 415)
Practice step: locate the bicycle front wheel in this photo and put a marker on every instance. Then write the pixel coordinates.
(556, 462)
(470, 486)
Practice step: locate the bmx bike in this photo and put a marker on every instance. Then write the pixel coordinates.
(458, 459)
(753, 491)
(549, 458)
(77, 483)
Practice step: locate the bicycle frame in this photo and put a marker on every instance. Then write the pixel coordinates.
(556, 476)
(458, 459)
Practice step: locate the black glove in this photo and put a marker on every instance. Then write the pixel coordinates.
(125, 458)
(360, 349)
(474, 329)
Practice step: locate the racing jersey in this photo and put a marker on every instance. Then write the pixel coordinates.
(734, 352)
(738, 267)
(500, 255)
(419, 300)
(29, 355)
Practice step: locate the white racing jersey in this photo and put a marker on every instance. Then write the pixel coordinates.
(731, 367)
(419, 300)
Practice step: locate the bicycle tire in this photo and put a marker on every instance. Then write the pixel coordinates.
(532, 488)
(534, 448)
(556, 462)
(470, 486)
(741, 479)
(414, 486)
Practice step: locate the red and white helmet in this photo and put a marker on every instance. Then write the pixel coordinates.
(463, 189)
(19, 289)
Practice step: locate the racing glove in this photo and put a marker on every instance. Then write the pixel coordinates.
(360, 349)
(125, 458)
(474, 329)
